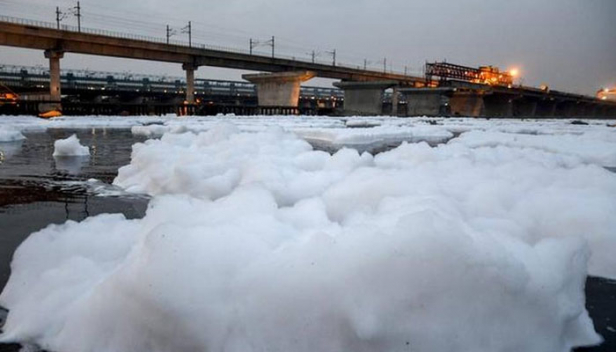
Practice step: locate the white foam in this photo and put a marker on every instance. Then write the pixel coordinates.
(592, 147)
(10, 135)
(69, 147)
(254, 241)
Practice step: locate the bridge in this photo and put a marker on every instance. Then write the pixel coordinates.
(278, 88)
(280, 85)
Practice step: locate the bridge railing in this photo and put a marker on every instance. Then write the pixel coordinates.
(159, 40)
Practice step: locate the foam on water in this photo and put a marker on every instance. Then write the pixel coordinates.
(255, 241)
(70, 147)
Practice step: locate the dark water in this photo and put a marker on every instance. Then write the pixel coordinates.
(37, 190)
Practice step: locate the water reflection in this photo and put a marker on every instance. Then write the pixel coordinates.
(71, 164)
(8, 149)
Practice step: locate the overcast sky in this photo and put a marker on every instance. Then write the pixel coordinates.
(568, 44)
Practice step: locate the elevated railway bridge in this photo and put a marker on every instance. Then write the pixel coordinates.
(278, 84)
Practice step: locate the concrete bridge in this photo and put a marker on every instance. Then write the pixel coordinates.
(456, 98)
(280, 86)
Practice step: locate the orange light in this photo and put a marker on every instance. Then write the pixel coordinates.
(514, 72)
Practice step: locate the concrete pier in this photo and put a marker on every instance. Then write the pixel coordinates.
(545, 108)
(466, 103)
(498, 105)
(425, 102)
(364, 98)
(450, 101)
(394, 102)
(563, 108)
(279, 89)
(444, 102)
(54, 57)
(190, 82)
(524, 107)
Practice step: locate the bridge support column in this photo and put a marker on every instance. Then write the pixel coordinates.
(577, 109)
(545, 108)
(497, 105)
(553, 109)
(394, 102)
(54, 57)
(364, 98)
(563, 109)
(279, 89)
(190, 82)
(604, 111)
(427, 101)
(524, 107)
(466, 104)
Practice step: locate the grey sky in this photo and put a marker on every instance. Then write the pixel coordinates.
(568, 44)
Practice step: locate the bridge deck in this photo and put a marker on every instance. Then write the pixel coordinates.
(42, 35)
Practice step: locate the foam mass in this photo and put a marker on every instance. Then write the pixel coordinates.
(69, 147)
(255, 241)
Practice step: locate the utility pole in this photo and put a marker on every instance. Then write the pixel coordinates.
(313, 56)
(58, 18)
(333, 54)
(254, 44)
(365, 64)
(405, 69)
(170, 33)
(188, 29)
(78, 14)
(384, 65)
(273, 45)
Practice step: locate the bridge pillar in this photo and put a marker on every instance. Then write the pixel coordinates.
(364, 98)
(426, 101)
(606, 111)
(576, 109)
(591, 110)
(190, 82)
(524, 107)
(545, 108)
(466, 103)
(54, 57)
(498, 105)
(394, 102)
(563, 109)
(279, 89)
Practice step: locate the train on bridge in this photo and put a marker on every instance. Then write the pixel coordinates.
(126, 90)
